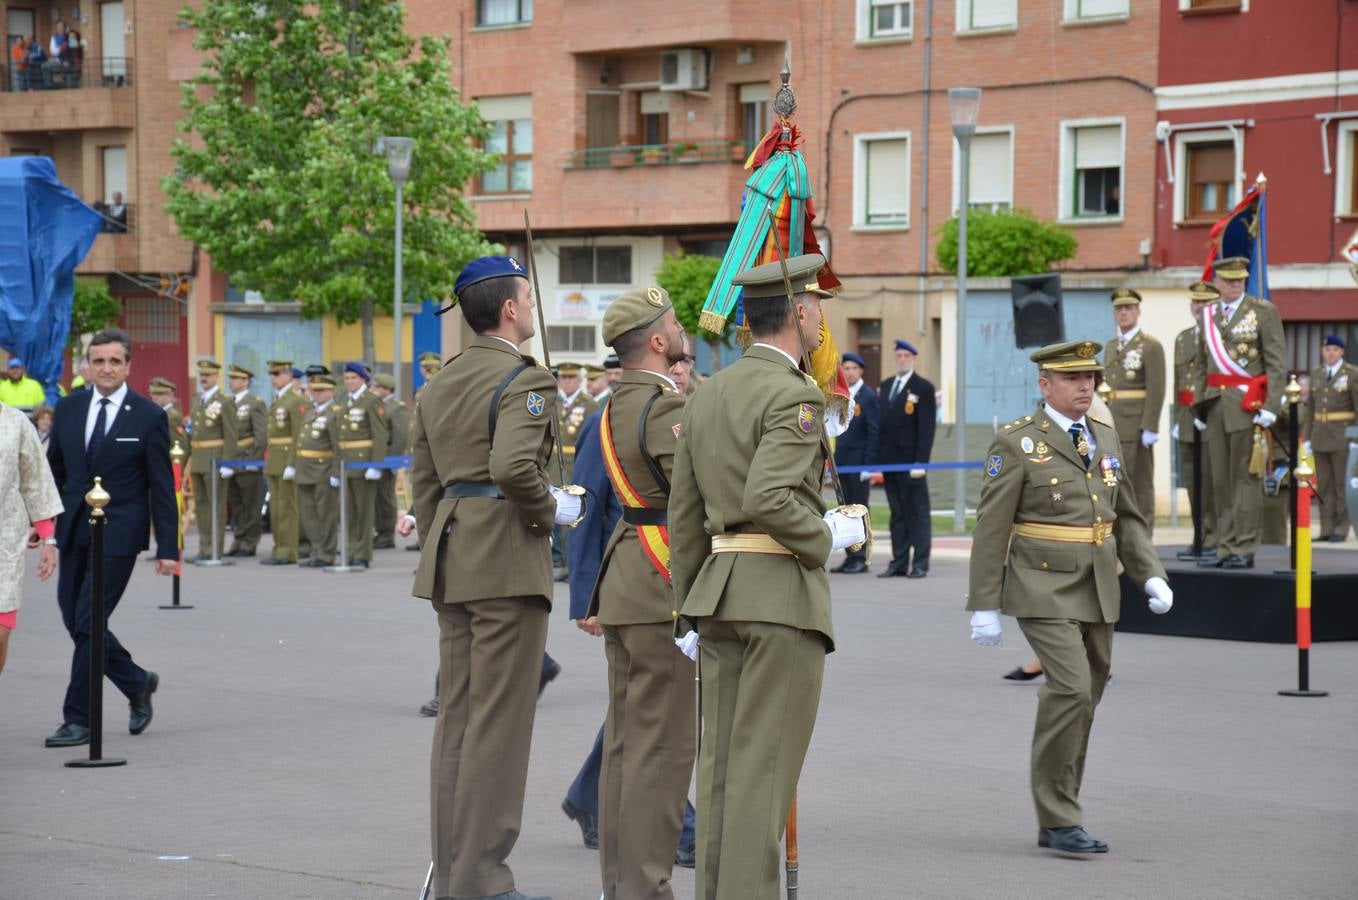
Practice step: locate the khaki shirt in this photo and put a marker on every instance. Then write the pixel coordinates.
(1253, 337)
(1337, 398)
(1034, 475)
(286, 414)
(214, 431)
(749, 459)
(1136, 373)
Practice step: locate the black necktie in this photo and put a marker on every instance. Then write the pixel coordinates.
(97, 435)
(1077, 438)
(896, 388)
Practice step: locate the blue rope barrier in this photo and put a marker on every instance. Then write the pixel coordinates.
(906, 467)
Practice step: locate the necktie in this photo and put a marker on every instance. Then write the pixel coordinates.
(1077, 437)
(896, 388)
(1329, 375)
(97, 435)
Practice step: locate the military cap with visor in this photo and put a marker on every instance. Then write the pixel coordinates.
(1201, 290)
(1068, 356)
(766, 281)
(1125, 296)
(1232, 268)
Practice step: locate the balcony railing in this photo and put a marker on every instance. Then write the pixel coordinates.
(658, 155)
(55, 75)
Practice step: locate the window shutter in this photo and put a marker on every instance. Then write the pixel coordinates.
(501, 109)
(888, 180)
(992, 178)
(1089, 9)
(1098, 147)
(992, 13)
(654, 102)
(1212, 163)
(754, 93)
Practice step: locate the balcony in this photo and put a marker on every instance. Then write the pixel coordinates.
(112, 252)
(669, 187)
(91, 95)
(631, 155)
(599, 26)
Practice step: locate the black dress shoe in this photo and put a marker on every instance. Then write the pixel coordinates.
(1022, 674)
(853, 566)
(313, 563)
(1186, 554)
(1236, 561)
(413, 548)
(430, 709)
(1071, 839)
(890, 573)
(388, 544)
(69, 735)
(303, 554)
(917, 572)
(141, 706)
(548, 675)
(1211, 562)
(274, 561)
(589, 825)
(686, 857)
(242, 553)
(357, 564)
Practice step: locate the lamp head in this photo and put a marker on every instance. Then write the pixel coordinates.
(965, 105)
(398, 151)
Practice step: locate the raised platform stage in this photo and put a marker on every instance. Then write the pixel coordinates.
(1252, 604)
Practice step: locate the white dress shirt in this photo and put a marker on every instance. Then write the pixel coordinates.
(1125, 338)
(787, 356)
(899, 385)
(115, 403)
(1065, 424)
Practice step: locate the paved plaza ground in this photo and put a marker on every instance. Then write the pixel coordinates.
(286, 759)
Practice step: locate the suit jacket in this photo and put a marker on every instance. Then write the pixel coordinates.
(858, 445)
(1254, 339)
(133, 462)
(482, 548)
(906, 436)
(1034, 475)
(749, 459)
(630, 590)
(1140, 366)
(589, 539)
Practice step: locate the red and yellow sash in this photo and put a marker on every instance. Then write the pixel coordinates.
(655, 539)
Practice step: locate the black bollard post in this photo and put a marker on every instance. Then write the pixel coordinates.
(97, 498)
(1197, 494)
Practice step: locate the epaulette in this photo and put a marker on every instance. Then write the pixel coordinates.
(1093, 418)
(1019, 423)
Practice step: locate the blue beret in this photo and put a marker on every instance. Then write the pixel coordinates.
(15, 361)
(854, 358)
(358, 369)
(1331, 340)
(488, 267)
(906, 345)
(297, 373)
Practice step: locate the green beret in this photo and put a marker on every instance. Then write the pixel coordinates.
(767, 280)
(1068, 356)
(634, 309)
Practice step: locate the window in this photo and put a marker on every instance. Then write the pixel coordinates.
(152, 320)
(511, 137)
(504, 12)
(114, 172)
(1346, 169)
(1091, 159)
(571, 338)
(882, 19)
(1213, 5)
(992, 170)
(980, 15)
(882, 180)
(654, 125)
(1210, 176)
(868, 339)
(1085, 10)
(754, 113)
(595, 265)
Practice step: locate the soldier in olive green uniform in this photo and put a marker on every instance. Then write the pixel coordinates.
(385, 502)
(213, 424)
(317, 462)
(750, 538)
(1188, 377)
(485, 508)
(573, 406)
(285, 417)
(1275, 516)
(363, 438)
(245, 487)
(162, 391)
(1053, 522)
(1334, 399)
(430, 363)
(1134, 371)
(649, 733)
(1242, 342)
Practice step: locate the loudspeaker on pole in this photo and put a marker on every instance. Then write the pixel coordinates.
(1037, 309)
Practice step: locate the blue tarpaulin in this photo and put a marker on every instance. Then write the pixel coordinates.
(45, 231)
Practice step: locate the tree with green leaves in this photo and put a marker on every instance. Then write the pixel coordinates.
(1005, 243)
(279, 180)
(687, 279)
(93, 308)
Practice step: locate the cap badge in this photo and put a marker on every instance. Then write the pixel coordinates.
(515, 263)
(1085, 350)
(655, 298)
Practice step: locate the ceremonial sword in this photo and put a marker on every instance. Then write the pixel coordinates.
(546, 354)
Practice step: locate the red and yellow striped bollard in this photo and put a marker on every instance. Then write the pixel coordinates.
(1301, 483)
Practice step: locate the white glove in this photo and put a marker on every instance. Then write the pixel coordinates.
(371, 474)
(1162, 598)
(864, 476)
(834, 427)
(289, 473)
(688, 645)
(1200, 424)
(986, 630)
(1174, 431)
(1306, 445)
(918, 473)
(1148, 438)
(1264, 419)
(334, 481)
(225, 472)
(569, 507)
(845, 531)
(1353, 484)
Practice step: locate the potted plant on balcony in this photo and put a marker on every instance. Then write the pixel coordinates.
(652, 156)
(739, 151)
(685, 153)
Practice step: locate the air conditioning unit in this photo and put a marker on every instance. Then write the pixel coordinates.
(683, 70)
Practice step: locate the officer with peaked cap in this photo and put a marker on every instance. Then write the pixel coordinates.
(1334, 400)
(612, 369)
(213, 425)
(398, 442)
(245, 487)
(485, 506)
(317, 465)
(1054, 520)
(1188, 430)
(649, 735)
(162, 392)
(363, 439)
(748, 464)
(1134, 372)
(285, 416)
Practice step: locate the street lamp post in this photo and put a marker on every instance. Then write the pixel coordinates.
(965, 105)
(398, 151)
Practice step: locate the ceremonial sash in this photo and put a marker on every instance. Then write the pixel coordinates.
(655, 539)
(1231, 374)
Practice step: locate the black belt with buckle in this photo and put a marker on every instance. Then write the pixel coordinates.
(633, 515)
(459, 489)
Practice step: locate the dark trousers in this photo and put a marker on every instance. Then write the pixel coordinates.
(584, 790)
(73, 595)
(911, 528)
(856, 490)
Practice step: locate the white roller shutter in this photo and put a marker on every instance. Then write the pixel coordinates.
(888, 181)
(992, 176)
(1098, 147)
(506, 108)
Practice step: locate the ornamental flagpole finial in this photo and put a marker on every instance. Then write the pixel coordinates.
(785, 101)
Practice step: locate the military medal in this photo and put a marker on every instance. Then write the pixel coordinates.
(1106, 464)
(910, 401)
(1041, 448)
(1026, 444)
(1082, 446)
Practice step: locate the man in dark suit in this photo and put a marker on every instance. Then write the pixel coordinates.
(857, 447)
(124, 438)
(906, 435)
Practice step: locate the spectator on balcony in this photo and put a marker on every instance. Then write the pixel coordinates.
(117, 215)
(18, 55)
(56, 48)
(35, 65)
(74, 58)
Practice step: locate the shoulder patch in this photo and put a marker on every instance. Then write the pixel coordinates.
(536, 403)
(806, 417)
(678, 429)
(994, 464)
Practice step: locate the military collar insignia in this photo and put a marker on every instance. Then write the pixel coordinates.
(536, 404)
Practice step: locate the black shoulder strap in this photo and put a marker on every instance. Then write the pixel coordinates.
(656, 472)
(500, 392)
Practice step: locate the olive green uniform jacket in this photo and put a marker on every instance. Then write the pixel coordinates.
(1254, 339)
(364, 429)
(285, 417)
(1140, 366)
(569, 418)
(210, 425)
